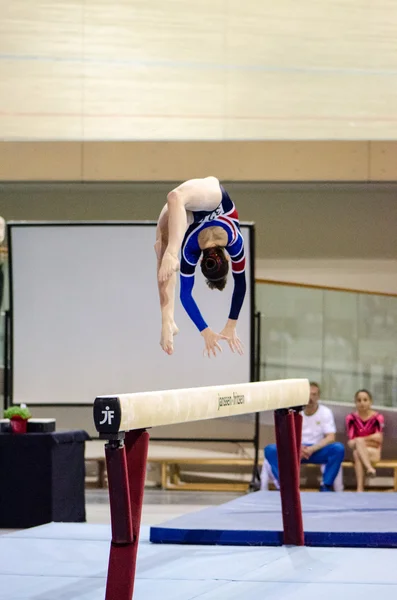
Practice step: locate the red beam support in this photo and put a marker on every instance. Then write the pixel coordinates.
(126, 475)
(288, 449)
(119, 494)
(298, 434)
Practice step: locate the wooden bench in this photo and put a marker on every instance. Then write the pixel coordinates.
(170, 472)
(382, 464)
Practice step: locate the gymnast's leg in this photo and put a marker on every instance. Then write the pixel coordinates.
(166, 288)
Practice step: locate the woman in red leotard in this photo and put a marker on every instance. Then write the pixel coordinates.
(365, 432)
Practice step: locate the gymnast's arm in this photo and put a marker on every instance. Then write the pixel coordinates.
(239, 291)
(188, 302)
(210, 337)
(193, 195)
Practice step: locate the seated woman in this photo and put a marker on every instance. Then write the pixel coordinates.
(365, 432)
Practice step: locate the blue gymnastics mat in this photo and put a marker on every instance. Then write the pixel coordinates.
(348, 519)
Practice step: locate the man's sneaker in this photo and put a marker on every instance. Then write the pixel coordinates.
(326, 488)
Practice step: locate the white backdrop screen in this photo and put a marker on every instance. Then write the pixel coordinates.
(86, 317)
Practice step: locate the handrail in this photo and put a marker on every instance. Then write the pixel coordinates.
(323, 287)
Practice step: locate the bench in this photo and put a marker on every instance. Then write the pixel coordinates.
(382, 464)
(170, 472)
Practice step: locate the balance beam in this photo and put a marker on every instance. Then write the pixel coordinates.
(126, 412)
(123, 419)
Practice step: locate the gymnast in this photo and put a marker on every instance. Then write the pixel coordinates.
(199, 220)
(365, 432)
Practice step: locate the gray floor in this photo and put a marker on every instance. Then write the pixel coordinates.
(158, 505)
(69, 562)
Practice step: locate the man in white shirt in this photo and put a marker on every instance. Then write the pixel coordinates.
(318, 441)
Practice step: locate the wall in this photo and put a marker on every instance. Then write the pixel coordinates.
(177, 160)
(336, 234)
(94, 70)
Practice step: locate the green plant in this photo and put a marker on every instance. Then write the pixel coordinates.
(17, 411)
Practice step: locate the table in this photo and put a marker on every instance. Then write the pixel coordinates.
(42, 478)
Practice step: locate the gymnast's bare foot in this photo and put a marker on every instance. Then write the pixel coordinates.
(371, 472)
(168, 331)
(169, 265)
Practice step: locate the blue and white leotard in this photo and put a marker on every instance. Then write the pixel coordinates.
(225, 216)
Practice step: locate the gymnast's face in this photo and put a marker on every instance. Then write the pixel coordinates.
(363, 401)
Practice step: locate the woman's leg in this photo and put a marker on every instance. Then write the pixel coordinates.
(166, 288)
(359, 469)
(374, 456)
(362, 451)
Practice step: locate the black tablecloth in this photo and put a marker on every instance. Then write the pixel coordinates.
(42, 478)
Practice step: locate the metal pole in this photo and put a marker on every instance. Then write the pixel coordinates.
(255, 480)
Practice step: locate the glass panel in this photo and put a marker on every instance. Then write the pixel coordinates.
(343, 340)
(377, 347)
(291, 328)
(339, 377)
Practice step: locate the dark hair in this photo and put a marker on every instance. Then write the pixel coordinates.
(215, 267)
(364, 391)
(315, 384)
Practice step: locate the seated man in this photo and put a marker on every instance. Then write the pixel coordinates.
(318, 442)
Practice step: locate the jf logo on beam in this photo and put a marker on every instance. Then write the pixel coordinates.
(107, 414)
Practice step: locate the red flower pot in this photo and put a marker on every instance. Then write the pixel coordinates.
(18, 425)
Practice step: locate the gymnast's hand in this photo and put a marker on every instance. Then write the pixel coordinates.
(169, 265)
(230, 333)
(211, 340)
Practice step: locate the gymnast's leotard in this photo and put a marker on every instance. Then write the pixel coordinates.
(225, 216)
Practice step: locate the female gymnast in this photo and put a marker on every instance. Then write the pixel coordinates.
(365, 432)
(199, 220)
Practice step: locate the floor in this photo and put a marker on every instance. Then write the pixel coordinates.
(69, 562)
(158, 506)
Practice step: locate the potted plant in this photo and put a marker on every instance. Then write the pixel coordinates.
(18, 416)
